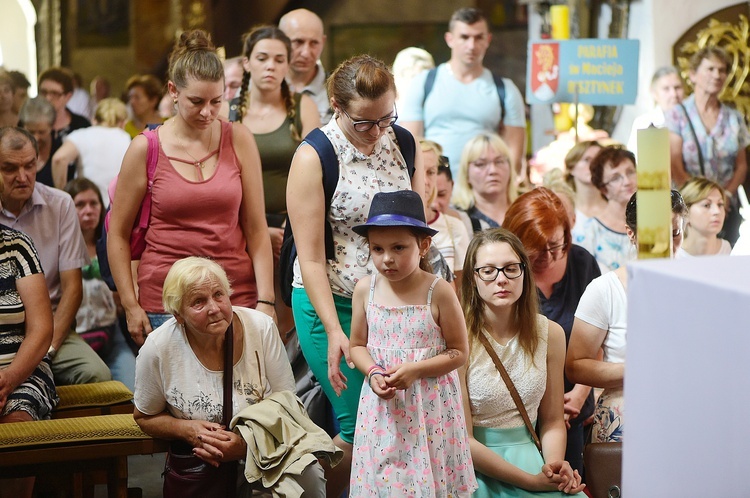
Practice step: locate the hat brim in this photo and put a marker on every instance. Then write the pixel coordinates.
(362, 229)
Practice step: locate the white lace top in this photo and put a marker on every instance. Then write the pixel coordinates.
(360, 178)
(491, 403)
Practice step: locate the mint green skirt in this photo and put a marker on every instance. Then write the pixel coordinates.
(514, 446)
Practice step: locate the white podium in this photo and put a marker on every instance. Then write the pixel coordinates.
(687, 378)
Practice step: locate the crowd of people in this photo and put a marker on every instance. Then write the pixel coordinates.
(462, 332)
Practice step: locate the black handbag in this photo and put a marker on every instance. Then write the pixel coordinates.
(186, 475)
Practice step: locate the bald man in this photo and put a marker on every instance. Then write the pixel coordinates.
(306, 73)
(232, 78)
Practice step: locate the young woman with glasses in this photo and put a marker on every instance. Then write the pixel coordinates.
(501, 307)
(562, 271)
(604, 236)
(362, 93)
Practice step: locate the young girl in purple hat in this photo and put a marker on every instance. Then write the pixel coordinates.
(408, 336)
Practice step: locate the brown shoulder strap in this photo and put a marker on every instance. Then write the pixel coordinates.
(511, 388)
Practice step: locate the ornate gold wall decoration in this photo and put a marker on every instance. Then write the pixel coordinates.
(732, 37)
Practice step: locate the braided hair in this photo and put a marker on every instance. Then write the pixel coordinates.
(249, 40)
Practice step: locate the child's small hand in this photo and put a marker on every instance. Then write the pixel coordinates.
(380, 387)
(401, 376)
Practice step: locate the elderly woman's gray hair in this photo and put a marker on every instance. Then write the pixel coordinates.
(185, 275)
(37, 110)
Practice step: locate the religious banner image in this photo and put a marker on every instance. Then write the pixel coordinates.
(545, 70)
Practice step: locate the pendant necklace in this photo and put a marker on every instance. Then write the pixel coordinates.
(199, 164)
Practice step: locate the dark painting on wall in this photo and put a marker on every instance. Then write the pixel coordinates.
(385, 41)
(103, 23)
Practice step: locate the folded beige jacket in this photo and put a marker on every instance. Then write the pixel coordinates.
(281, 442)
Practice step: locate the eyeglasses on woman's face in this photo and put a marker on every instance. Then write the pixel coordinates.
(555, 251)
(366, 124)
(617, 179)
(498, 162)
(490, 273)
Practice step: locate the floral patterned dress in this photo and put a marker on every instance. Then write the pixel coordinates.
(415, 444)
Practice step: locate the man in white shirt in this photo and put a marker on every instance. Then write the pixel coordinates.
(306, 73)
(667, 91)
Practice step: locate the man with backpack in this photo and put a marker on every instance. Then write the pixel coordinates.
(461, 98)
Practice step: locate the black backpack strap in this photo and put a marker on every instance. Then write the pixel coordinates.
(500, 85)
(408, 146)
(329, 161)
(429, 82)
(234, 110)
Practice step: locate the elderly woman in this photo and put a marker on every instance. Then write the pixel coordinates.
(604, 236)
(27, 389)
(37, 117)
(706, 204)
(486, 181)
(562, 271)
(179, 370)
(709, 138)
(601, 325)
(144, 94)
(97, 149)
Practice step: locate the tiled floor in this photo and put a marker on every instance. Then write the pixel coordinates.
(144, 471)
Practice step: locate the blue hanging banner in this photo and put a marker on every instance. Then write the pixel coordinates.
(603, 71)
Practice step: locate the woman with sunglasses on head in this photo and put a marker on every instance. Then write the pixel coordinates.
(508, 335)
(362, 93)
(601, 325)
(562, 271)
(604, 236)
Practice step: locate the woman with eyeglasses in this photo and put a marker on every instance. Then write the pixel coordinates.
(561, 270)
(601, 325)
(604, 236)
(362, 93)
(501, 307)
(486, 183)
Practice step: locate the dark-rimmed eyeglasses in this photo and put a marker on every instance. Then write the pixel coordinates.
(366, 124)
(55, 94)
(490, 273)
